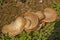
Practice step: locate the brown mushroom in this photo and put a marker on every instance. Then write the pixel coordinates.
(15, 27)
(27, 24)
(38, 27)
(50, 15)
(33, 19)
(41, 25)
(40, 15)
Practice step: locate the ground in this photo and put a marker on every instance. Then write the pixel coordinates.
(10, 10)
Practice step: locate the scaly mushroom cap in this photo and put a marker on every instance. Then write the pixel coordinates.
(50, 15)
(40, 15)
(15, 27)
(33, 19)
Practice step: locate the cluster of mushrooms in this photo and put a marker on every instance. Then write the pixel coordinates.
(30, 21)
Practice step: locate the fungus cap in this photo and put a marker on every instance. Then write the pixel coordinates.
(50, 15)
(33, 19)
(27, 24)
(15, 27)
(41, 25)
(40, 15)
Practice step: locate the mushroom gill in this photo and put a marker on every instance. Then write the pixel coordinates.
(33, 19)
(50, 15)
(15, 27)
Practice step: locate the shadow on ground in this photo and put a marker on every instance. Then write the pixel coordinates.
(55, 35)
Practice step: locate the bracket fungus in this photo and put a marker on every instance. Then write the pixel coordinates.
(27, 24)
(50, 15)
(15, 27)
(33, 19)
(40, 15)
(30, 21)
(41, 25)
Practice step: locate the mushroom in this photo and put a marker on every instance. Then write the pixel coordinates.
(41, 25)
(15, 27)
(33, 19)
(38, 27)
(50, 15)
(40, 15)
(27, 24)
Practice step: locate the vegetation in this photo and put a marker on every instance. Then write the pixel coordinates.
(49, 32)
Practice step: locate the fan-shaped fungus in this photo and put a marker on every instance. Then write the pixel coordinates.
(41, 25)
(50, 15)
(15, 27)
(27, 24)
(33, 19)
(40, 15)
(30, 21)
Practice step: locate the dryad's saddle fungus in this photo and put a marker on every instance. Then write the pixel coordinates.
(41, 25)
(30, 21)
(40, 15)
(33, 19)
(27, 24)
(50, 15)
(15, 27)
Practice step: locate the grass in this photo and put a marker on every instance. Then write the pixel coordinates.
(49, 32)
